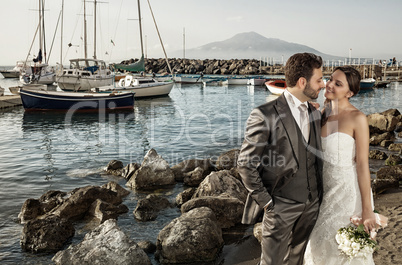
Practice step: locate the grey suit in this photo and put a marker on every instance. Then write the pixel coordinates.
(274, 165)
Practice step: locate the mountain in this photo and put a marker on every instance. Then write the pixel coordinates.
(250, 45)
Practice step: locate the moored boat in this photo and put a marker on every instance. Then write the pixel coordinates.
(216, 82)
(367, 83)
(256, 81)
(40, 100)
(15, 72)
(85, 74)
(143, 87)
(276, 87)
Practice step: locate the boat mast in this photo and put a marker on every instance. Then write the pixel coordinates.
(95, 29)
(61, 37)
(85, 34)
(43, 31)
(139, 19)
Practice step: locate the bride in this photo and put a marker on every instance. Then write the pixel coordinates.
(346, 175)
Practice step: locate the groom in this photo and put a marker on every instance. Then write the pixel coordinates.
(279, 166)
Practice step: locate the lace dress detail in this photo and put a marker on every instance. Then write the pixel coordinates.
(341, 201)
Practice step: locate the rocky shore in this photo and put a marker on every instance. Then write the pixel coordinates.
(211, 204)
(240, 67)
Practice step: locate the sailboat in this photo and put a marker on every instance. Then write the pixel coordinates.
(142, 86)
(37, 71)
(85, 73)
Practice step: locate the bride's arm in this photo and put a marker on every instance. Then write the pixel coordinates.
(362, 135)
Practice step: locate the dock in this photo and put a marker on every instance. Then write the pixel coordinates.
(10, 101)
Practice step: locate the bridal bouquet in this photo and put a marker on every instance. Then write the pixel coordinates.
(354, 242)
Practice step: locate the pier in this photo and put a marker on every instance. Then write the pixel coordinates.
(10, 101)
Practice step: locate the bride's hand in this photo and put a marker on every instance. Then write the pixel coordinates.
(315, 104)
(369, 221)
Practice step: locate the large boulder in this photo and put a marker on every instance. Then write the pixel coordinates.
(228, 210)
(194, 178)
(379, 138)
(228, 159)
(179, 170)
(184, 196)
(33, 208)
(130, 170)
(383, 122)
(147, 209)
(46, 235)
(393, 160)
(154, 173)
(193, 237)
(380, 185)
(113, 186)
(394, 172)
(81, 199)
(106, 244)
(221, 183)
(102, 211)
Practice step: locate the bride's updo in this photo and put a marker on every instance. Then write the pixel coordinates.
(352, 76)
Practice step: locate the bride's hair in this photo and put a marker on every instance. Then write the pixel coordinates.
(353, 78)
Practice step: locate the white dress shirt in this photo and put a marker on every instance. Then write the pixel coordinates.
(294, 104)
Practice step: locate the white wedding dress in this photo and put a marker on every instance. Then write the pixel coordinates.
(341, 201)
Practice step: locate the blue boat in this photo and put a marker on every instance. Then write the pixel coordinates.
(43, 100)
(367, 83)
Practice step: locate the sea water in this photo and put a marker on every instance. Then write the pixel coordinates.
(54, 151)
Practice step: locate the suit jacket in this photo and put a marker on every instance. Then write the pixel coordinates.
(269, 154)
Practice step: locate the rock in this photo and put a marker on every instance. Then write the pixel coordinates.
(194, 178)
(221, 183)
(395, 147)
(377, 154)
(46, 235)
(386, 143)
(228, 160)
(106, 244)
(394, 172)
(32, 208)
(103, 211)
(153, 173)
(398, 127)
(380, 185)
(228, 210)
(193, 237)
(130, 170)
(113, 186)
(377, 139)
(114, 167)
(189, 165)
(147, 209)
(147, 246)
(76, 206)
(184, 196)
(393, 160)
(382, 122)
(400, 134)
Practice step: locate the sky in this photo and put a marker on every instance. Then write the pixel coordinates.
(356, 28)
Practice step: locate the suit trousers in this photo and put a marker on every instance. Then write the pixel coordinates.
(286, 228)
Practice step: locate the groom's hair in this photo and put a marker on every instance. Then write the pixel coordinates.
(301, 65)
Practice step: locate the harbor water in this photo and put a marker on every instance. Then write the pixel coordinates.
(57, 151)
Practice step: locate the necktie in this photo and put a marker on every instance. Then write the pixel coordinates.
(304, 121)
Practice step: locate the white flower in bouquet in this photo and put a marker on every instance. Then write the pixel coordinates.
(355, 242)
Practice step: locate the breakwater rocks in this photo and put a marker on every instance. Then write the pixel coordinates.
(208, 66)
(210, 205)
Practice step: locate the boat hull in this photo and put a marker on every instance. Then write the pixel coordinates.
(276, 87)
(77, 83)
(10, 74)
(144, 91)
(46, 79)
(367, 83)
(64, 101)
